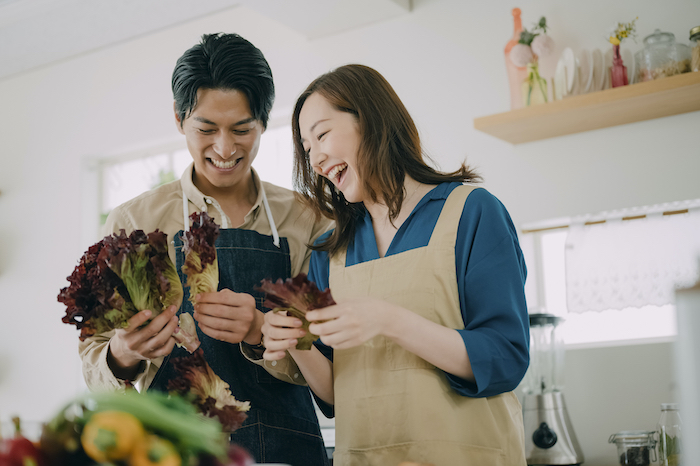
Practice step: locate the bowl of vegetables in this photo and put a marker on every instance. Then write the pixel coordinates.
(126, 429)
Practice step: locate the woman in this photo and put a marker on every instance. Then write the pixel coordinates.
(430, 333)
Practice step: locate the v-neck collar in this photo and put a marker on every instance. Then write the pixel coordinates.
(434, 193)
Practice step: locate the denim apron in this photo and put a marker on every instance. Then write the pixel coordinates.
(282, 426)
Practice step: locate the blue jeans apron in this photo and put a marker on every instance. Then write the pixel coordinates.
(282, 426)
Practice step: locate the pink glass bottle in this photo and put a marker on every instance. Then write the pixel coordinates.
(618, 71)
(516, 74)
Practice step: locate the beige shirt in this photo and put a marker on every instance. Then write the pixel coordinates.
(162, 208)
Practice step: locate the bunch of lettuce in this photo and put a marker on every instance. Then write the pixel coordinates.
(198, 383)
(201, 266)
(120, 276)
(296, 296)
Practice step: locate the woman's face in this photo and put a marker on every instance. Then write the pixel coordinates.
(331, 140)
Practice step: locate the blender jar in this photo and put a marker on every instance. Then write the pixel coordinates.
(661, 57)
(635, 447)
(546, 356)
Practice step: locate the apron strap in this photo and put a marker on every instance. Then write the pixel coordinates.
(273, 227)
(446, 228)
(185, 211)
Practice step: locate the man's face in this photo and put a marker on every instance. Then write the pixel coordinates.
(223, 139)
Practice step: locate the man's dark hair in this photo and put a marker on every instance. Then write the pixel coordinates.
(226, 62)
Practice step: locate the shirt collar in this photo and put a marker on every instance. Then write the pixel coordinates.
(201, 200)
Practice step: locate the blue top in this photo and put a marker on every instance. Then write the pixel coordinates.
(491, 274)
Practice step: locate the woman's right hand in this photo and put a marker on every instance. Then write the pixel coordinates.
(133, 344)
(280, 332)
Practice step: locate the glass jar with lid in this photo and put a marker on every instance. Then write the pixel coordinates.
(669, 429)
(635, 447)
(661, 56)
(695, 49)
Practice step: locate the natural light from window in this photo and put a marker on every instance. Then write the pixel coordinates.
(610, 326)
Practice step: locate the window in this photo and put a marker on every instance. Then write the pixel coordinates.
(545, 247)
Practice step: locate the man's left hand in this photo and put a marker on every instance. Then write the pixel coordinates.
(229, 316)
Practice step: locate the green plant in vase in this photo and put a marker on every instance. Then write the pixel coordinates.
(533, 44)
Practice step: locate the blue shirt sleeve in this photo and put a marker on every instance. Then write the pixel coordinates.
(491, 273)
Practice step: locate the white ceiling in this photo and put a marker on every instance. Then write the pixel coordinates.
(35, 33)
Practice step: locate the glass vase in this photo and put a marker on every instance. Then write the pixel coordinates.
(618, 71)
(534, 88)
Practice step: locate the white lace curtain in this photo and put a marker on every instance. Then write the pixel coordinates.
(632, 258)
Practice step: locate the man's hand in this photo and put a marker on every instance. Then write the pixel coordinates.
(133, 344)
(229, 316)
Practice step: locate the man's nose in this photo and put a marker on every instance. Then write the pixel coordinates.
(225, 145)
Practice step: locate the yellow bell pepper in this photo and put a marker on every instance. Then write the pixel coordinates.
(155, 451)
(111, 435)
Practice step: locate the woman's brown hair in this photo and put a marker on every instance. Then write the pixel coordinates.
(389, 150)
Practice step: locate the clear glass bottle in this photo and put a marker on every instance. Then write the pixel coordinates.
(669, 430)
(695, 49)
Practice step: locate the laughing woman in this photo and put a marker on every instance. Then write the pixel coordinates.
(430, 334)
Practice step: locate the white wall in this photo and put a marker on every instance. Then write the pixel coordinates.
(444, 59)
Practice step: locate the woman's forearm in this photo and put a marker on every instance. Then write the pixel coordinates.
(439, 345)
(317, 370)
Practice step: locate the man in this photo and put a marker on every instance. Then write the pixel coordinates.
(223, 92)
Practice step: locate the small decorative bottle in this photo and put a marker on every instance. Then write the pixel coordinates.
(669, 429)
(516, 74)
(618, 71)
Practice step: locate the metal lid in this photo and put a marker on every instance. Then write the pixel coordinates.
(633, 435)
(538, 320)
(695, 32)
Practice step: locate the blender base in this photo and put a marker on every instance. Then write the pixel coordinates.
(549, 436)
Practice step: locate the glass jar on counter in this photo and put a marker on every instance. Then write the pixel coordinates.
(695, 49)
(669, 428)
(661, 57)
(635, 447)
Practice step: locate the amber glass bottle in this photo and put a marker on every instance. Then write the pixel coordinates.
(516, 74)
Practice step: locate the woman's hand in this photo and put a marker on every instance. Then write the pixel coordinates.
(133, 344)
(280, 334)
(228, 316)
(352, 322)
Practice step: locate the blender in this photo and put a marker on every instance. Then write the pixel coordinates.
(549, 435)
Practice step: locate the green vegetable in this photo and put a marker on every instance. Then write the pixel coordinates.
(170, 417)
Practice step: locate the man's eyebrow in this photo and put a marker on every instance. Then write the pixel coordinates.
(209, 122)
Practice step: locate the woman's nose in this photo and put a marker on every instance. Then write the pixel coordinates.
(225, 145)
(317, 158)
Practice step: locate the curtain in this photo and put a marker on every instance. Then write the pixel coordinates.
(632, 258)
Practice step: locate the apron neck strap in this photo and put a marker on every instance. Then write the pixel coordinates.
(273, 227)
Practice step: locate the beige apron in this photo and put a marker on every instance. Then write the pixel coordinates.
(393, 406)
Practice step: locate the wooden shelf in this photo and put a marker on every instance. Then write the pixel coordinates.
(602, 109)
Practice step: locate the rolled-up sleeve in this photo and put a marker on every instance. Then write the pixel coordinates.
(491, 276)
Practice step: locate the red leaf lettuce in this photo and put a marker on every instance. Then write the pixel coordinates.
(296, 296)
(201, 265)
(207, 391)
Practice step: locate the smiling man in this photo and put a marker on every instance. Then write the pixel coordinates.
(223, 93)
